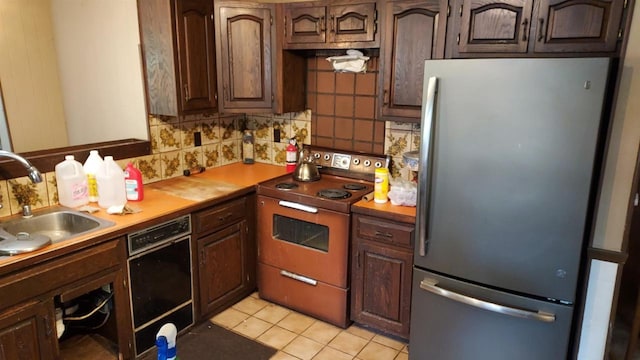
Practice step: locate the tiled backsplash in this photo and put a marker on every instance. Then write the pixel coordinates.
(341, 115)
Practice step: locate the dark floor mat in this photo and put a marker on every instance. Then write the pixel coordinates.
(208, 341)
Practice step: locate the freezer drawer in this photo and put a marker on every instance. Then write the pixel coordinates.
(453, 326)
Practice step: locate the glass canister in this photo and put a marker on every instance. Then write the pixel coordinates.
(248, 150)
(381, 185)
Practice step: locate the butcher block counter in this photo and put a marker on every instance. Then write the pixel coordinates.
(405, 214)
(163, 200)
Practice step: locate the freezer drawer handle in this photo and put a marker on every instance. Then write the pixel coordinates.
(301, 278)
(431, 285)
(293, 205)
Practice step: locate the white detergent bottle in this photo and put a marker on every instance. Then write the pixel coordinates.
(166, 342)
(71, 182)
(110, 180)
(91, 166)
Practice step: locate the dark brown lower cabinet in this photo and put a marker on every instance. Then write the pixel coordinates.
(27, 332)
(30, 296)
(226, 252)
(381, 268)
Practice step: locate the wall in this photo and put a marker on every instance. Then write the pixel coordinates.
(100, 69)
(29, 73)
(614, 201)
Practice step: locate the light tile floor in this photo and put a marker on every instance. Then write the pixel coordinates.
(297, 336)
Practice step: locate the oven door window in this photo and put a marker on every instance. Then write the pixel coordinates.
(300, 232)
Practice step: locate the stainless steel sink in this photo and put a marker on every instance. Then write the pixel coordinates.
(47, 227)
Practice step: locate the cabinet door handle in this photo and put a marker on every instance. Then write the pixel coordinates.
(226, 93)
(525, 24)
(225, 217)
(332, 24)
(202, 257)
(385, 97)
(384, 234)
(541, 29)
(186, 92)
(323, 24)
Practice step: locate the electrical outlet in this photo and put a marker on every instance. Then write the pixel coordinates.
(197, 138)
(276, 135)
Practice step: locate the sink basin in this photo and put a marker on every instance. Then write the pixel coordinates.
(44, 228)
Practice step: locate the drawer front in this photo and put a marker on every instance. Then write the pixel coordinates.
(219, 216)
(385, 231)
(60, 272)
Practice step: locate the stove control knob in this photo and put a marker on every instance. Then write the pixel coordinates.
(367, 163)
(316, 155)
(356, 161)
(378, 164)
(327, 157)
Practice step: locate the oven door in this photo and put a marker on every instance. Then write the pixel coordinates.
(303, 240)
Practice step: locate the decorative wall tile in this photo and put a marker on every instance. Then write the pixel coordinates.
(230, 152)
(397, 142)
(229, 128)
(211, 155)
(171, 164)
(263, 151)
(23, 191)
(192, 158)
(150, 168)
(4, 199)
(210, 130)
(52, 187)
(168, 137)
(278, 153)
(187, 131)
(263, 129)
(301, 130)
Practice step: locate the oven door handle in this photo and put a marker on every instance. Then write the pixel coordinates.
(293, 205)
(301, 278)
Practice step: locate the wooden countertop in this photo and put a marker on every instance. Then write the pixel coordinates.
(387, 210)
(163, 200)
(174, 197)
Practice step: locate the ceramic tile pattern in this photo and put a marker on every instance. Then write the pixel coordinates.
(300, 337)
(341, 114)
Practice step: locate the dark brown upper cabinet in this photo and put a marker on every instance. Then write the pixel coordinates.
(178, 53)
(254, 74)
(494, 26)
(578, 25)
(540, 26)
(330, 25)
(403, 54)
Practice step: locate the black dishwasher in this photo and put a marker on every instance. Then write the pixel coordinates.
(160, 279)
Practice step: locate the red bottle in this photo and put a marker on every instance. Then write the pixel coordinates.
(292, 155)
(133, 183)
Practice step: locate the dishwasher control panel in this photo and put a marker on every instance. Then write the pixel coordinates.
(157, 235)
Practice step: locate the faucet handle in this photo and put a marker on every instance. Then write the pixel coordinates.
(26, 211)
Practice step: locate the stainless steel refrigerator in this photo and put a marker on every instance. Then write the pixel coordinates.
(508, 161)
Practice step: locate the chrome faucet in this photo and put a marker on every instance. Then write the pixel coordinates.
(34, 174)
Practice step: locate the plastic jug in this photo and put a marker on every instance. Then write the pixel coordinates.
(71, 182)
(110, 179)
(91, 166)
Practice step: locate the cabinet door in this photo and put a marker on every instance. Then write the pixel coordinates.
(223, 258)
(381, 287)
(404, 53)
(577, 25)
(352, 23)
(194, 28)
(305, 25)
(494, 26)
(245, 57)
(28, 332)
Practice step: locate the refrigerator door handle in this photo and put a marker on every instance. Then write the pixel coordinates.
(431, 285)
(424, 177)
